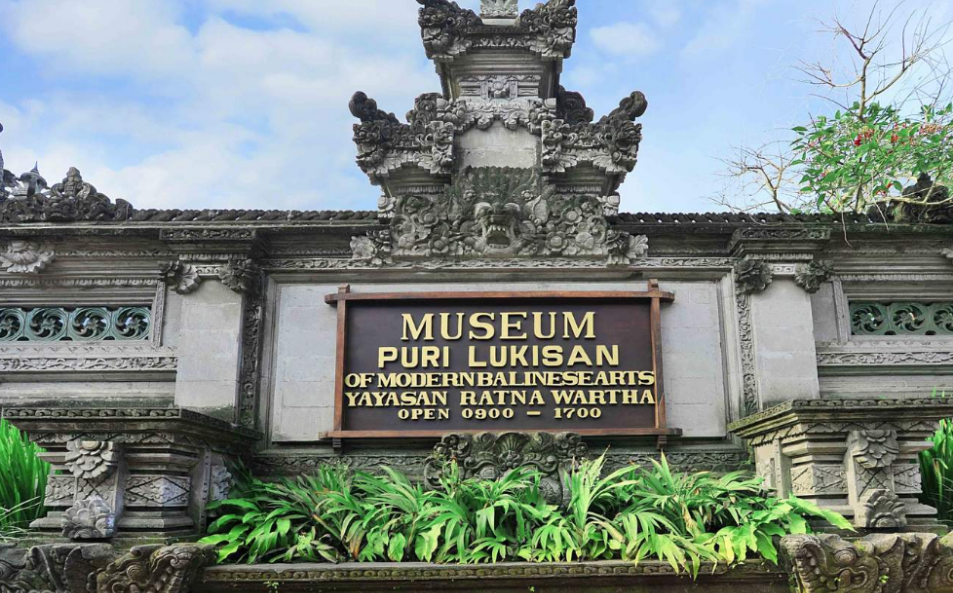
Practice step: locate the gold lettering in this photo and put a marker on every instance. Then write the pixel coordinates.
(386, 355)
(445, 326)
(413, 331)
(512, 325)
(606, 355)
(574, 329)
(486, 326)
(538, 326)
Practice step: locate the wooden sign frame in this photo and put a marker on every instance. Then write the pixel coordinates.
(345, 296)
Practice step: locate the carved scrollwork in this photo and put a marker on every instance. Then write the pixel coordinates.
(903, 563)
(59, 568)
(882, 509)
(500, 213)
(221, 483)
(26, 257)
(499, 9)
(491, 456)
(155, 569)
(181, 277)
(752, 275)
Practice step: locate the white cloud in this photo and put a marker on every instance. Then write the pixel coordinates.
(630, 40)
(665, 13)
(219, 115)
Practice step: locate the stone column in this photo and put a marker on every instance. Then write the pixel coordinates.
(858, 457)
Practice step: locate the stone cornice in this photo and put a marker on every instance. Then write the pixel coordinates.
(845, 410)
(127, 419)
(884, 356)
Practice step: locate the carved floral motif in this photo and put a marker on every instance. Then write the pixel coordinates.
(181, 277)
(874, 449)
(240, 276)
(812, 275)
(88, 519)
(753, 275)
(221, 483)
(26, 257)
(90, 460)
(883, 509)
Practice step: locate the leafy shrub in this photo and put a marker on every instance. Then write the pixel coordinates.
(22, 481)
(631, 514)
(936, 467)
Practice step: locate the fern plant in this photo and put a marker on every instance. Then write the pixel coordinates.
(22, 481)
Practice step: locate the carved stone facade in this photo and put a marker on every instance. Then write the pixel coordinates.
(491, 456)
(99, 568)
(163, 466)
(908, 563)
(857, 457)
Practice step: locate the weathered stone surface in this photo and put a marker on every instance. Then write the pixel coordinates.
(857, 457)
(166, 464)
(491, 456)
(906, 563)
(155, 569)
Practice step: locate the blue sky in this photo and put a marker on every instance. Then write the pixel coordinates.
(243, 103)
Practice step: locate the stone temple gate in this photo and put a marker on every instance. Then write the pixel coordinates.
(147, 350)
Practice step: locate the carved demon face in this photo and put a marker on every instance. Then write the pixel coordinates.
(499, 226)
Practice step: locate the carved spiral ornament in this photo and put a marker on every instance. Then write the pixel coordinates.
(83, 324)
(897, 319)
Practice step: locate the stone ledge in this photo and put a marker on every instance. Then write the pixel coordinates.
(522, 577)
(843, 410)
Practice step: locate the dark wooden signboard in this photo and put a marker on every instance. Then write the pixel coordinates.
(415, 365)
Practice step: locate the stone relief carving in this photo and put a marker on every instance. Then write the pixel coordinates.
(26, 257)
(240, 276)
(499, 213)
(901, 563)
(811, 276)
(58, 568)
(92, 460)
(181, 277)
(492, 456)
(28, 198)
(934, 207)
(447, 30)
(156, 569)
(883, 509)
(89, 519)
(221, 483)
(874, 449)
(753, 275)
(499, 9)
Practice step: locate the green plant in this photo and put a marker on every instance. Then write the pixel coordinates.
(867, 154)
(22, 481)
(632, 514)
(936, 469)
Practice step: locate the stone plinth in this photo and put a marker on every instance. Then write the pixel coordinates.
(856, 457)
(131, 472)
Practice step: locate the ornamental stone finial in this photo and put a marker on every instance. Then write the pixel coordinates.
(499, 9)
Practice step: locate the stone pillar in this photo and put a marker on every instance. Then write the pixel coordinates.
(209, 350)
(131, 472)
(858, 457)
(775, 275)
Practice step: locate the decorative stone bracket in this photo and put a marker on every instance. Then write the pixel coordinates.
(856, 457)
(93, 568)
(131, 471)
(907, 563)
